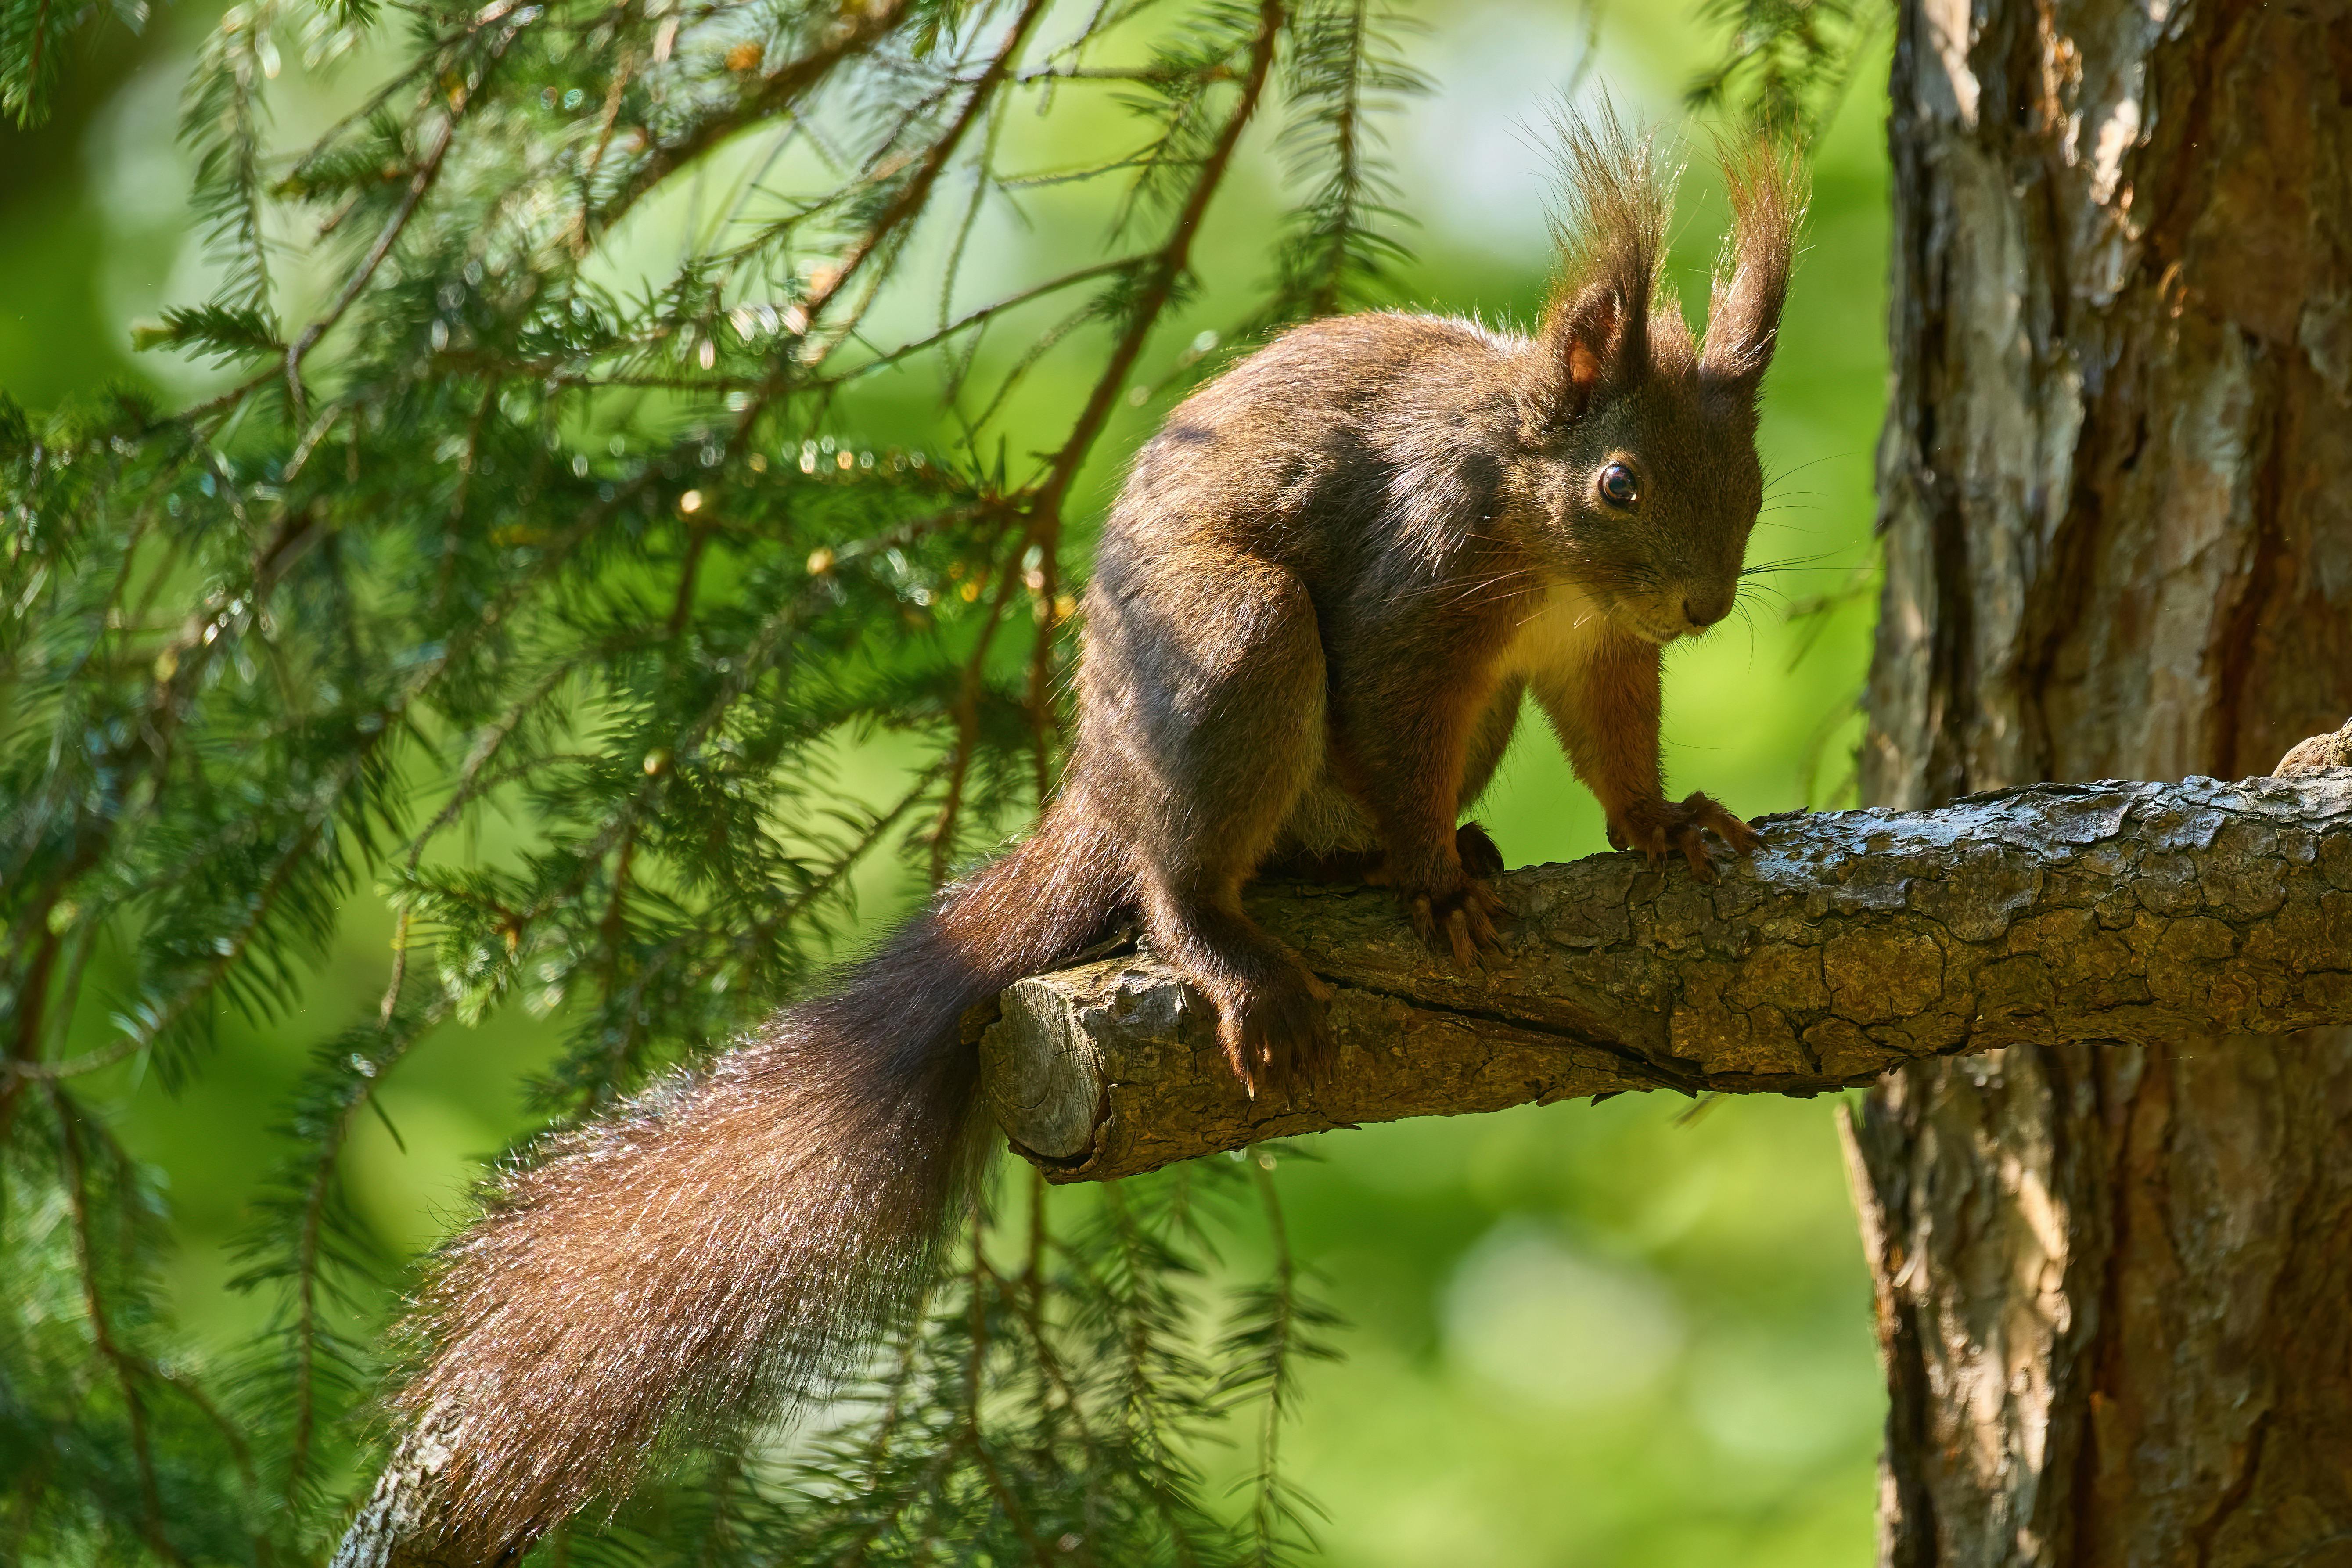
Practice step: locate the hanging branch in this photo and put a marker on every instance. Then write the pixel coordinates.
(127, 1371)
(1156, 288)
(856, 30)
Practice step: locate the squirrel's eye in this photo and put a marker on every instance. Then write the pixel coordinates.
(1618, 487)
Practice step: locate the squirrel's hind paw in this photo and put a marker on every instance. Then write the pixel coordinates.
(1460, 924)
(1276, 1036)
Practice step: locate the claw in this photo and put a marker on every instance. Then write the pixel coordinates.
(1457, 935)
(1458, 925)
(1275, 1036)
(1693, 844)
(1743, 839)
(1654, 826)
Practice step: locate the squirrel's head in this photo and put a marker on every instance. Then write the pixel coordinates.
(1638, 476)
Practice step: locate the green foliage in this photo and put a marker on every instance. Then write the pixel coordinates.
(214, 330)
(1340, 243)
(493, 535)
(510, 535)
(1789, 61)
(37, 37)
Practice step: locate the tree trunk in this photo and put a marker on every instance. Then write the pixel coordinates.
(2114, 1280)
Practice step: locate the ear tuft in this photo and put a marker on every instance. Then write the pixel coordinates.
(1619, 193)
(1767, 192)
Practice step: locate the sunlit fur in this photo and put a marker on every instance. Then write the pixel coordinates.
(1317, 602)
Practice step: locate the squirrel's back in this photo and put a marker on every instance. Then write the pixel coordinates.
(1325, 428)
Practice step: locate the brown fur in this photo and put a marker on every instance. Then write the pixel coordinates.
(1317, 602)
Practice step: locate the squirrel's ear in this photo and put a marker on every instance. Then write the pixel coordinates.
(1751, 283)
(1593, 341)
(1619, 190)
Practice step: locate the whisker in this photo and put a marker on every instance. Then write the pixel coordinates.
(1461, 592)
(1787, 562)
(1777, 476)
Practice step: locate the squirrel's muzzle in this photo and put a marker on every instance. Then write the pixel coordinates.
(1702, 609)
(1703, 605)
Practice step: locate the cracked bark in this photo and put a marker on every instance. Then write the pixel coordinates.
(397, 1526)
(2118, 504)
(1852, 941)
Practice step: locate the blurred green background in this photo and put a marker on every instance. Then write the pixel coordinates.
(1624, 1334)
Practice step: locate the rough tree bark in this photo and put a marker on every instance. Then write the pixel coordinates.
(2113, 1279)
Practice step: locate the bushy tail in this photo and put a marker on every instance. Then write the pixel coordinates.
(737, 1233)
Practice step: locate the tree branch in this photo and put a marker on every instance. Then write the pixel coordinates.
(399, 1525)
(1854, 941)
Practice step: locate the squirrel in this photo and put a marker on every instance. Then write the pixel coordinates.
(1317, 602)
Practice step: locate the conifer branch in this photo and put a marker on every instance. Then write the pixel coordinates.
(903, 208)
(856, 29)
(1157, 286)
(101, 1327)
(509, 17)
(615, 560)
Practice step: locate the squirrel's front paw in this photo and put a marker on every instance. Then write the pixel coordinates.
(1655, 827)
(1457, 922)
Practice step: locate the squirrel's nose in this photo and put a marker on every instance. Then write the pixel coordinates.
(1703, 615)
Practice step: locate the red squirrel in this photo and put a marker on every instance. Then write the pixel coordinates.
(1317, 602)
